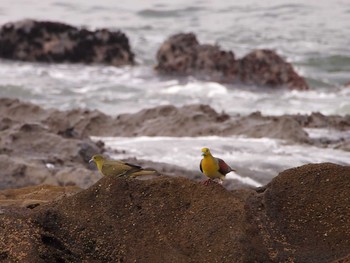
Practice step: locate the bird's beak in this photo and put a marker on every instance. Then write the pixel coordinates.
(91, 160)
(203, 154)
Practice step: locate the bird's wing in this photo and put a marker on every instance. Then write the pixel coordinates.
(115, 168)
(200, 166)
(132, 165)
(224, 168)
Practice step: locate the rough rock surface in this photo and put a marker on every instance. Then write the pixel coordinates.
(46, 41)
(301, 216)
(194, 120)
(183, 54)
(33, 196)
(35, 148)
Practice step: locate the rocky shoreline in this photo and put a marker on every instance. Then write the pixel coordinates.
(48, 146)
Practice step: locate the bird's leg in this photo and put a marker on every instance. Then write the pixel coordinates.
(206, 182)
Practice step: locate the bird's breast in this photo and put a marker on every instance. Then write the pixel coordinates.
(209, 166)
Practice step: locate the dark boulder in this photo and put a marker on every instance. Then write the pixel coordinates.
(46, 41)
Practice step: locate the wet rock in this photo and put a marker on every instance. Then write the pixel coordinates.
(301, 216)
(345, 146)
(194, 120)
(265, 67)
(169, 121)
(318, 120)
(258, 126)
(178, 54)
(202, 120)
(183, 54)
(46, 41)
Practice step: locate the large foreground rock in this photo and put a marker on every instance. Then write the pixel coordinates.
(46, 41)
(301, 216)
(183, 54)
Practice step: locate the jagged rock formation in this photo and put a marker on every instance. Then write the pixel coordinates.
(183, 54)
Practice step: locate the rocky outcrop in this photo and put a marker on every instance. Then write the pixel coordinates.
(301, 216)
(183, 54)
(46, 41)
(194, 120)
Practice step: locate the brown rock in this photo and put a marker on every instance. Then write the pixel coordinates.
(301, 216)
(45, 41)
(318, 120)
(183, 54)
(146, 222)
(265, 67)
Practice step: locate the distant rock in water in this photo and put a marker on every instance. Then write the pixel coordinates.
(45, 41)
(266, 67)
(183, 54)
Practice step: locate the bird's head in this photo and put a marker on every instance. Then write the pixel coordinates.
(97, 159)
(205, 152)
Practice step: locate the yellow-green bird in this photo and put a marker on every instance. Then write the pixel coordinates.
(213, 167)
(113, 167)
